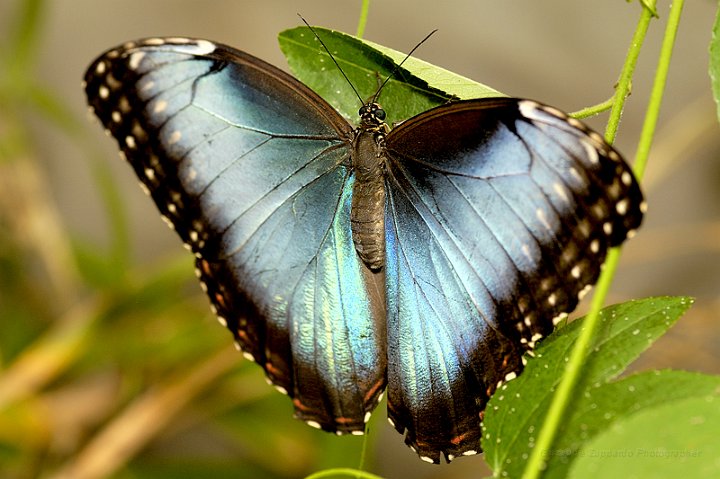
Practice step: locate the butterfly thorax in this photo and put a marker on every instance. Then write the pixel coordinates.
(368, 196)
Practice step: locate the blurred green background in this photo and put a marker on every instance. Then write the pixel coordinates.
(111, 364)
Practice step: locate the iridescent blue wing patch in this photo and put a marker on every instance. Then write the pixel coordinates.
(250, 168)
(499, 215)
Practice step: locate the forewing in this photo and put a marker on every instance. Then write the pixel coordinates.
(250, 168)
(499, 215)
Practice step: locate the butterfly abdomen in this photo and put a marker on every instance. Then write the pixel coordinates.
(367, 215)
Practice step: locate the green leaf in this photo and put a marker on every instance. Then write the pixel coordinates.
(677, 439)
(516, 411)
(416, 87)
(714, 66)
(600, 407)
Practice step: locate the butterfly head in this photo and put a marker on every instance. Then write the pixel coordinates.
(372, 115)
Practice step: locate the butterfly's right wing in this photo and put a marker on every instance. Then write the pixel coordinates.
(249, 167)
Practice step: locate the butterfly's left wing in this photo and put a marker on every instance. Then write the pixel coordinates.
(250, 167)
(499, 215)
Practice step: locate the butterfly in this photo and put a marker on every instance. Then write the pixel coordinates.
(422, 261)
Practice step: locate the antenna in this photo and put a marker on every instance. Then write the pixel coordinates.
(395, 70)
(362, 102)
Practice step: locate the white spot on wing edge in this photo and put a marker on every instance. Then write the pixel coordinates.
(558, 318)
(560, 190)
(146, 86)
(526, 251)
(135, 59)
(203, 47)
(247, 355)
(575, 123)
(622, 206)
(145, 189)
(574, 173)
(314, 424)
(167, 221)
(160, 106)
(583, 292)
(592, 153)
(174, 137)
(626, 178)
(608, 228)
(575, 272)
(528, 108)
(540, 215)
(552, 299)
(154, 41)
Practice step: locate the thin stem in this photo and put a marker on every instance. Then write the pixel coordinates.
(362, 21)
(561, 399)
(594, 110)
(656, 95)
(625, 81)
(343, 471)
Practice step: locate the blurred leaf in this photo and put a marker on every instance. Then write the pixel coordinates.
(24, 35)
(194, 467)
(49, 356)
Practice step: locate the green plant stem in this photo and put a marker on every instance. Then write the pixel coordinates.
(656, 95)
(362, 21)
(561, 399)
(342, 471)
(625, 81)
(594, 110)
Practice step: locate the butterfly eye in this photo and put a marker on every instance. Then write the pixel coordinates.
(363, 109)
(379, 114)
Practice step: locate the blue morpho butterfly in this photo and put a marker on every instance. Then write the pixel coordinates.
(423, 260)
